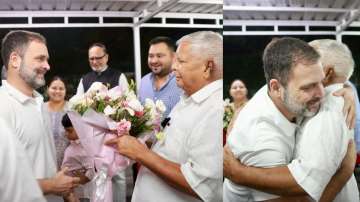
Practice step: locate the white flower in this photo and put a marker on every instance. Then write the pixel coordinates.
(96, 87)
(100, 95)
(131, 111)
(135, 105)
(123, 83)
(130, 95)
(87, 101)
(115, 93)
(160, 106)
(149, 103)
(76, 99)
(109, 110)
(226, 102)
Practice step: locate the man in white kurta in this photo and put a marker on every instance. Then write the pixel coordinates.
(25, 57)
(192, 143)
(25, 116)
(321, 145)
(263, 137)
(320, 148)
(15, 172)
(185, 165)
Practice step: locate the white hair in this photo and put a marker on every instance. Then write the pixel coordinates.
(335, 54)
(206, 44)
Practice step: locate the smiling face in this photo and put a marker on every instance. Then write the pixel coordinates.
(160, 58)
(98, 58)
(304, 91)
(34, 64)
(238, 90)
(56, 91)
(189, 69)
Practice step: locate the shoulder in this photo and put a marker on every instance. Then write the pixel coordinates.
(146, 77)
(6, 99)
(114, 71)
(7, 107)
(87, 75)
(333, 103)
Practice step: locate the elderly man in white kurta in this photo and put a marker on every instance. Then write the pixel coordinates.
(26, 58)
(322, 143)
(186, 165)
(14, 172)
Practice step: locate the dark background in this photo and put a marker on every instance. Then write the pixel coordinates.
(68, 49)
(242, 59)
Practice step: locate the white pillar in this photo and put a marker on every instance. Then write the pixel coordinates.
(338, 34)
(137, 53)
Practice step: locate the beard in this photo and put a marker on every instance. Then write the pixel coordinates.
(161, 71)
(299, 109)
(31, 77)
(98, 69)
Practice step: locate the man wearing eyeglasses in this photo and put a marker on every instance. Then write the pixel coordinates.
(98, 59)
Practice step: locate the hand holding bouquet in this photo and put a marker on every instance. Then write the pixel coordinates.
(101, 114)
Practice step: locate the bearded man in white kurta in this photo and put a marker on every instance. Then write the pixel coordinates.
(25, 56)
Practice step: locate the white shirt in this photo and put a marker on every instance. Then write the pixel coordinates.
(262, 137)
(320, 148)
(26, 117)
(17, 181)
(193, 140)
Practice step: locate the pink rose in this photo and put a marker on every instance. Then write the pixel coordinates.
(123, 127)
(139, 114)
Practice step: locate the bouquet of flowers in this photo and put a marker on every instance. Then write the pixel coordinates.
(228, 113)
(102, 114)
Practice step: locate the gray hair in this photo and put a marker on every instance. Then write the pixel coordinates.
(335, 54)
(18, 41)
(207, 44)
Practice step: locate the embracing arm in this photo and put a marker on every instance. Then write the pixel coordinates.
(342, 175)
(276, 180)
(349, 104)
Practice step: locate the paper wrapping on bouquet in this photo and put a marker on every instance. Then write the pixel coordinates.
(94, 129)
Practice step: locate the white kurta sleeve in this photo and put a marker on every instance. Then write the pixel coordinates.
(320, 151)
(204, 147)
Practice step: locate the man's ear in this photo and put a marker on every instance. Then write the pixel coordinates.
(208, 69)
(15, 60)
(275, 87)
(329, 74)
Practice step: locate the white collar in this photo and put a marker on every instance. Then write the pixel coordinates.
(204, 92)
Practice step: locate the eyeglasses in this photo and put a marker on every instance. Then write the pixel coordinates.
(97, 58)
